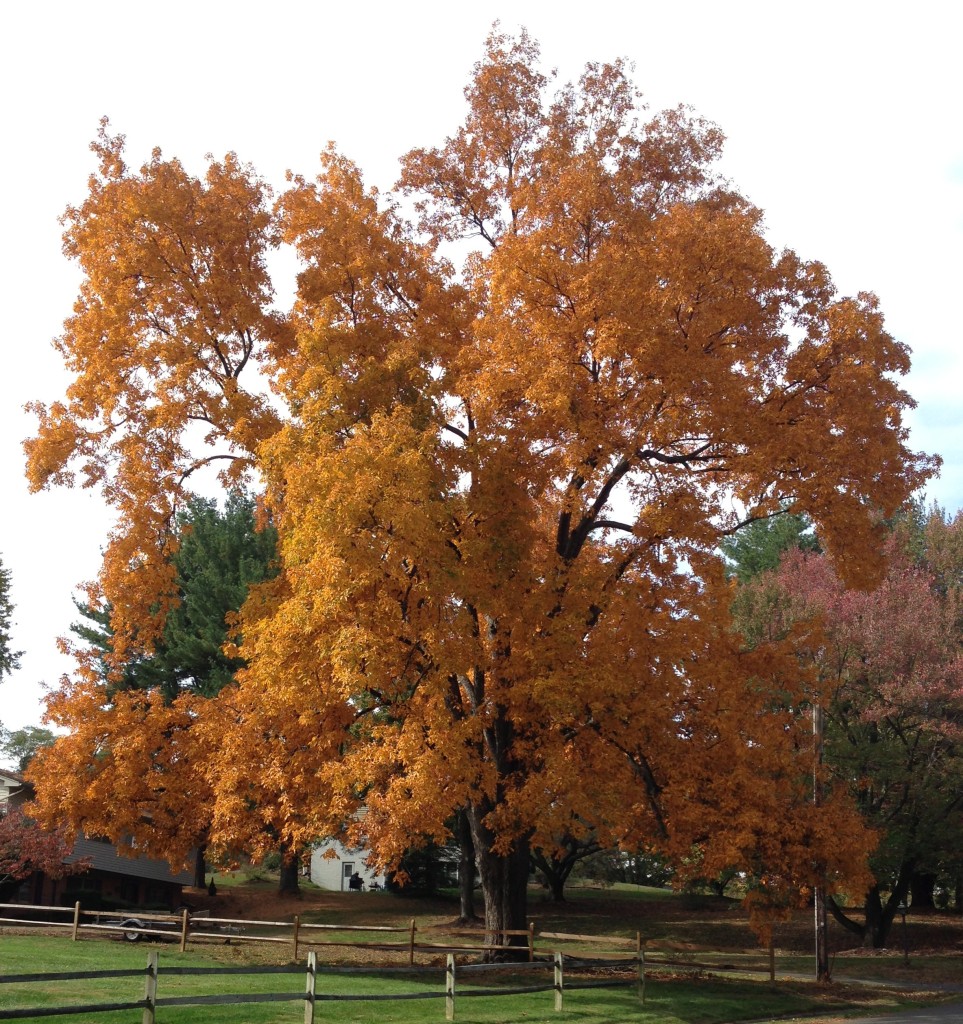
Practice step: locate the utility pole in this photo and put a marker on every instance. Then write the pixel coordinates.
(819, 894)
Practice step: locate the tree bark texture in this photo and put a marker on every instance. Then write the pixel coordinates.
(877, 916)
(504, 882)
(200, 867)
(288, 877)
(466, 870)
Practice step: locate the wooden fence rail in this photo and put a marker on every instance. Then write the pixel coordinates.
(25, 1013)
(309, 996)
(300, 935)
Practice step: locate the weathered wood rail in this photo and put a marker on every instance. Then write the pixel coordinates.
(308, 996)
(186, 928)
(540, 949)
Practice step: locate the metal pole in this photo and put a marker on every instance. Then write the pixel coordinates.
(819, 893)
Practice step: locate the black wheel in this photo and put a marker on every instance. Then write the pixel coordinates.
(132, 936)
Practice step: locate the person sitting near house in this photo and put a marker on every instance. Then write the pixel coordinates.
(356, 882)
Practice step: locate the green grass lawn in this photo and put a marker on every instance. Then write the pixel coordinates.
(687, 928)
(700, 1000)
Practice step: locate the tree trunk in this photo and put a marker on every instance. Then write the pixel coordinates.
(200, 867)
(876, 926)
(504, 883)
(877, 916)
(922, 885)
(288, 877)
(556, 869)
(853, 927)
(554, 873)
(288, 882)
(718, 885)
(466, 871)
(556, 886)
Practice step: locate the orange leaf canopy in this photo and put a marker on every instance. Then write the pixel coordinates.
(505, 437)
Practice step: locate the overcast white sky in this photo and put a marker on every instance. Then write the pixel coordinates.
(843, 120)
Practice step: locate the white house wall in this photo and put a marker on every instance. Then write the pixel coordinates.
(333, 871)
(12, 789)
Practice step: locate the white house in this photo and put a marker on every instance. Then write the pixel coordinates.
(12, 786)
(333, 864)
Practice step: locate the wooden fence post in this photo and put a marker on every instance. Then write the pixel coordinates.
(450, 987)
(310, 985)
(76, 920)
(411, 943)
(185, 913)
(150, 989)
(640, 985)
(531, 941)
(558, 980)
(294, 939)
(772, 961)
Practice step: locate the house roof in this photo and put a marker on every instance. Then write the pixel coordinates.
(105, 857)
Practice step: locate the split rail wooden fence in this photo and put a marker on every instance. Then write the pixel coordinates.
(544, 951)
(152, 1000)
(186, 928)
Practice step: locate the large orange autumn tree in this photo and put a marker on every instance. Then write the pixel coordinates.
(499, 484)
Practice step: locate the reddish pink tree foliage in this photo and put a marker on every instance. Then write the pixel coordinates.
(886, 667)
(26, 847)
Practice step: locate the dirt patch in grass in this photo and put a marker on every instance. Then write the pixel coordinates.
(259, 901)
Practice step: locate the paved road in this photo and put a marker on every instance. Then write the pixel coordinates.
(948, 1013)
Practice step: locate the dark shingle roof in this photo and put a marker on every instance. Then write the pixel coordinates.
(105, 857)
